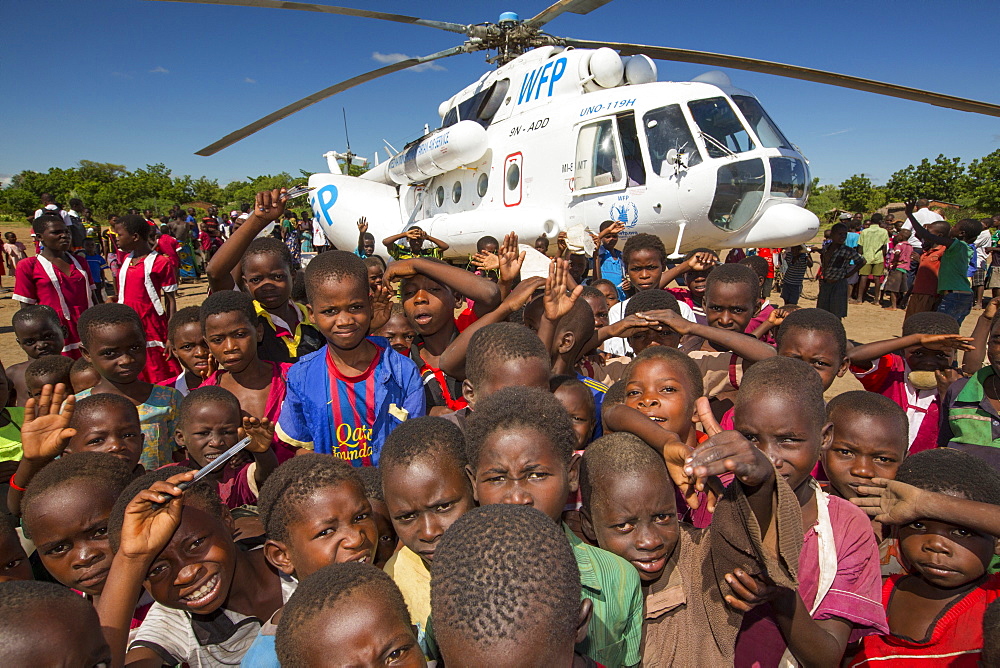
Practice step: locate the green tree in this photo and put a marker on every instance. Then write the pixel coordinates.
(857, 192)
(823, 197)
(984, 183)
(944, 179)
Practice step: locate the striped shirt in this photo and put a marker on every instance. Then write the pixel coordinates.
(614, 634)
(796, 268)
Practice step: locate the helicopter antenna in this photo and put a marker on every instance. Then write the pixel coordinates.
(350, 156)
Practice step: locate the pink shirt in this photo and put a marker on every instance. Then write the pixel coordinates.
(70, 296)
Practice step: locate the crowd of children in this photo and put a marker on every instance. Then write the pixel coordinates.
(465, 466)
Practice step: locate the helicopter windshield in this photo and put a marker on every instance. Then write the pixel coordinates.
(667, 129)
(720, 127)
(768, 133)
(739, 190)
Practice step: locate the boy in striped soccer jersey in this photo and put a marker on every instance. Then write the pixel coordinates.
(347, 397)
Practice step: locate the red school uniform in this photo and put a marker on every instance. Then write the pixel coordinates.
(956, 639)
(38, 281)
(167, 245)
(141, 285)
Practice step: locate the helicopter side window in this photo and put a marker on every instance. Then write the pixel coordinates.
(666, 130)
(597, 160)
(720, 127)
(768, 133)
(630, 147)
(739, 191)
(450, 118)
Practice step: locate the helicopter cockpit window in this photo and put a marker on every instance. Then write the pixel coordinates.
(492, 101)
(768, 133)
(720, 127)
(597, 160)
(666, 130)
(739, 190)
(630, 147)
(450, 118)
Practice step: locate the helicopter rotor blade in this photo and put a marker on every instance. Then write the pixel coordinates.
(318, 96)
(330, 9)
(794, 72)
(562, 6)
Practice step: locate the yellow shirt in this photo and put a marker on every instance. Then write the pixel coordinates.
(407, 569)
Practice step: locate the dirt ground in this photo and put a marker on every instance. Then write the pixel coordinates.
(864, 323)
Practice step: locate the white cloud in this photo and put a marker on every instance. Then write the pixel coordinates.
(5, 180)
(249, 80)
(159, 69)
(388, 58)
(838, 132)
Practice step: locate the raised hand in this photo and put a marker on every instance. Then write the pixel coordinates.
(944, 378)
(152, 517)
(397, 270)
(520, 295)
(269, 205)
(991, 308)
(778, 315)
(381, 301)
(46, 431)
(911, 206)
(415, 234)
(748, 592)
(702, 261)
(486, 261)
(558, 301)
(668, 318)
(561, 244)
(891, 502)
(362, 225)
(261, 433)
(510, 259)
(945, 342)
(726, 452)
(210, 368)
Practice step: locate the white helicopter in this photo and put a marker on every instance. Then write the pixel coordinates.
(568, 132)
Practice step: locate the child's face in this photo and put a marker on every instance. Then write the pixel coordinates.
(369, 246)
(662, 392)
(189, 346)
(38, 338)
(610, 294)
(333, 525)
(268, 279)
(788, 436)
(194, 572)
(69, 526)
(400, 333)
(695, 282)
(599, 306)
(644, 338)
(524, 372)
(232, 340)
(209, 429)
(944, 555)
(489, 247)
(428, 304)
(520, 466)
(88, 246)
(610, 240)
(13, 561)
(127, 242)
(11, 238)
(342, 312)
(924, 359)
(110, 429)
(84, 380)
(730, 306)
(118, 352)
(575, 400)
(817, 348)
(645, 266)
(577, 266)
(34, 384)
(375, 274)
(864, 447)
(635, 517)
(55, 237)
(386, 534)
(424, 498)
(839, 237)
(361, 629)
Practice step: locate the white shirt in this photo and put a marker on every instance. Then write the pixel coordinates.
(618, 346)
(319, 236)
(925, 217)
(52, 208)
(982, 242)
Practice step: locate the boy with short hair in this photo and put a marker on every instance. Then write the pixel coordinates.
(147, 282)
(367, 390)
(906, 370)
(797, 261)
(186, 342)
(608, 262)
(415, 238)
(506, 585)
(398, 330)
(521, 435)
(320, 621)
(49, 370)
(426, 490)
(839, 262)
(944, 506)
(39, 333)
(83, 376)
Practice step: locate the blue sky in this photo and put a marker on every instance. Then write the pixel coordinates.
(136, 82)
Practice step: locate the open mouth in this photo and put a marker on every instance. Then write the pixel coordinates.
(362, 558)
(422, 318)
(203, 594)
(650, 564)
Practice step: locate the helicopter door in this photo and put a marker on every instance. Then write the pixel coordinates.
(598, 166)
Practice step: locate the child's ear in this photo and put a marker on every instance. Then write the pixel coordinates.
(827, 436)
(178, 437)
(227, 519)
(469, 393)
(844, 366)
(573, 475)
(84, 352)
(587, 525)
(583, 620)
(277, 554)
(471, 475)
(566, 342)
(260, 332)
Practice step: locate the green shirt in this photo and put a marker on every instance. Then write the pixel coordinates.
(872, 242)
(614, 634)
(401, 252)
(10, 436)
(953, 275)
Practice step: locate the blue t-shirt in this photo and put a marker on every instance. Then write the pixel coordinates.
(349, 418)
(852, 239)
(96, 264)
(612, 268)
